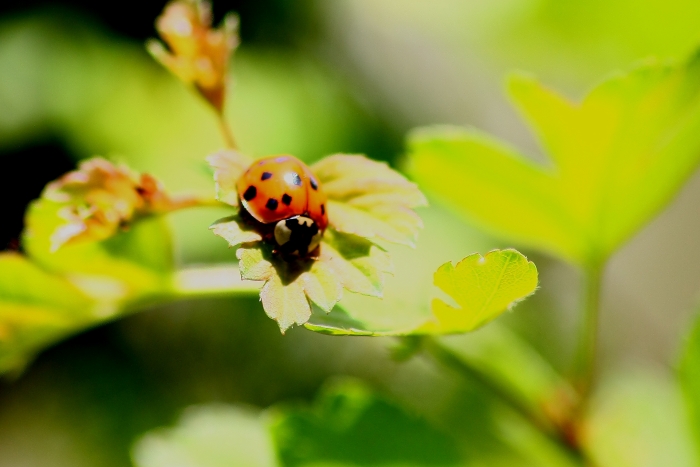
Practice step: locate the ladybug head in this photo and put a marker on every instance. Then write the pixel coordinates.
(298, 235)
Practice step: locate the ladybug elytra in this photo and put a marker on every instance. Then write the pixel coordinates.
(282, 190)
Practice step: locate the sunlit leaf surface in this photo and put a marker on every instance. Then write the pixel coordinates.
(482, 287)
(618, 157)
(367, 202)
(290, 285)
(369, 199)
(234, 231)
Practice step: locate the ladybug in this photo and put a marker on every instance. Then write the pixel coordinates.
(282, 191)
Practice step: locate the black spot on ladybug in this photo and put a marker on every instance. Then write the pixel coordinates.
(286, 199)
(314, 185)
(292, 178)
(323, 209)
(265, 176)
(271, 204)
(250, 193)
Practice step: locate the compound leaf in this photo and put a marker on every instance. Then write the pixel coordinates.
(619, 157)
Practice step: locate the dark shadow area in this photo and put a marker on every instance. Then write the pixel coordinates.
(279, 23)
(24, 173)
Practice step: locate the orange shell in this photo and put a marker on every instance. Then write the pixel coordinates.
(280, 187)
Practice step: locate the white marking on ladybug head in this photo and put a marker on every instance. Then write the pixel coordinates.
(282, 232)
(298, 235)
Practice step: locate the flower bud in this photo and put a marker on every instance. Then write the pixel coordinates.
(198, 54)
(100, 198)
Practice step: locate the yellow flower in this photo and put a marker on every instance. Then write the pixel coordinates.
(198, 54)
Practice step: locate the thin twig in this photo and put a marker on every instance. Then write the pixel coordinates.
(586, 354)
(226, 131)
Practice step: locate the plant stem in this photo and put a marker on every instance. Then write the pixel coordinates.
(586, 353)
(226, 131)
(502, 392)
(212, 281)
(187, 201)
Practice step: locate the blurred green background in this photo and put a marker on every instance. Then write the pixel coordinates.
(312, 78)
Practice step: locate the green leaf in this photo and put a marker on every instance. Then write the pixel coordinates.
(405, 304)
(349, 425)
(369, 199)
(209, 436)
(483, 287)
(132, 263)
(341, 323)
(36, 308)
(359, 265)
(114, 273)
(619, 157)
(638, 419)
(234, 231)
